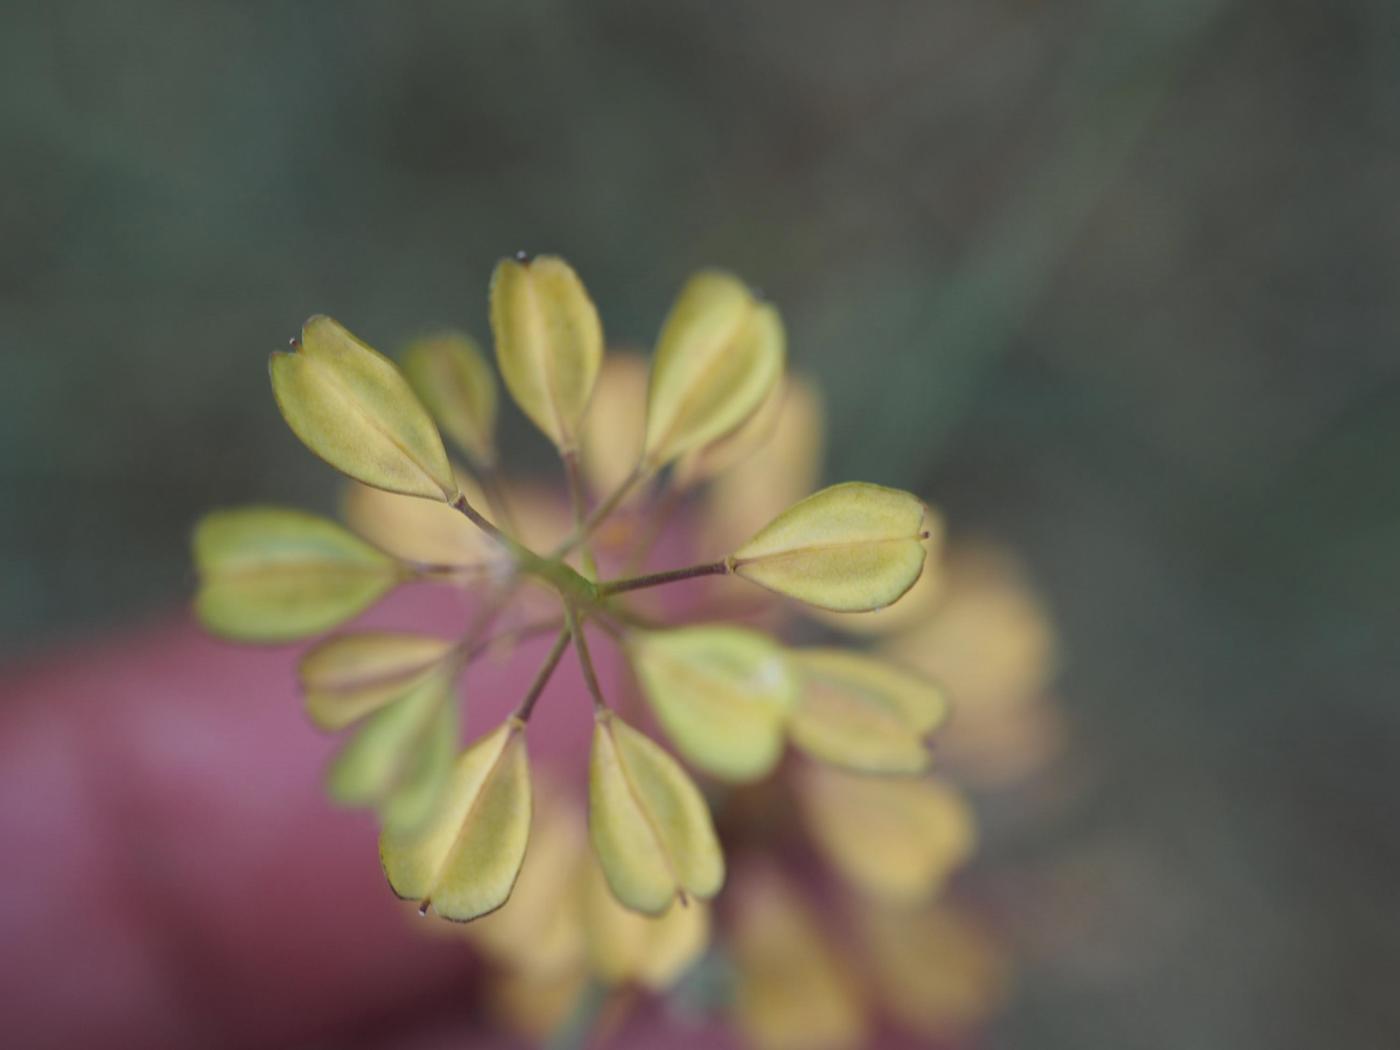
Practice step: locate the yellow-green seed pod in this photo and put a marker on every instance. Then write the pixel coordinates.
(450, 375)
(401, 756)
(898, 838)
(463, 859)
(720, 353)
(864, 713)
(649, 824)
(417, 530)
(549, 343)
(627, 947)
(352, 407)
(273, 575)
(347, 677)
(740, 443)
(722, 694)
(849, 548)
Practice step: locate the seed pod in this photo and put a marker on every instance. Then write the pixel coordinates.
(549, 343)
(863, 713)
(898, 838)
(794, 990)
(612, 431)
(350, 676)
(650, 826)
(730, 449)
(720, 353)
(417, 530)
(401, 756)
(355, 410)
(450, 375)
(850, 548)
(627, 947)
(464, 858)
(273, 575)
(722, 694)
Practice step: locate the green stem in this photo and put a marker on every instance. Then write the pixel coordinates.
(602, 510)
(542, 677)
(585, 659)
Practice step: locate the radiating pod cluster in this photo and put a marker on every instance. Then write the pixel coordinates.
(617, 894)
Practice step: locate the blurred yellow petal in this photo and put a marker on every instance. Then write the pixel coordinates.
(535, 1004)
(450, 375)
(649, 823)
(270, 575)
(416, 530)
(540, 929)
(777, 474)
(794, 991)
(399, 757)
(850, 548)
(549, 342)
(627, 947)
(937, 972)
(465, 857)
(347, 677)
(898, 838)
(864, 713)
(612, 430)
(355, 410)
(719, 354)
(722, 694)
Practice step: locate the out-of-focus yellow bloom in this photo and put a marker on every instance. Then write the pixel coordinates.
(898, 838)
(417, 530)
(795, 991)
(989, 641)
(611, 442)
(627, 947)
(935, 970)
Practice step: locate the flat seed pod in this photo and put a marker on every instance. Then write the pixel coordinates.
(398, 759)
(741, 442)
(720, 353)
(864, 713)
(722, 694)
(897, 838)
(916, 608)
(450, 375)
(850, 548)
(627, 947)
(549, 342)
(650, 826)
(464, 857)
(794, 991)
(355, 410)
(273, 575)
(352, 675)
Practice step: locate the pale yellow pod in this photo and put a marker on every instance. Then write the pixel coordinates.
(864, 713)
(463, 860)
(399, 758)
(794, 991)
(450, 375)
(272, 575)
(721, 693)
(549, 342)
(938, 972)
(352, 407)
(612, 430)
(720, 353)
(627, 947)
(347, 677)
(540, 929)
(916, 608)
(850, 548)
(898, 838)
(649, 824)
(417, 530)
(730, 449)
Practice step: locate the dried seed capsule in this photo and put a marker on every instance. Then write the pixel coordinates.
(650, 826)
(450, 375)
(722, 694)
(355, 410)
(350, 676)
(272, 575)
(549, 343)
(464, 858)
(850, 548)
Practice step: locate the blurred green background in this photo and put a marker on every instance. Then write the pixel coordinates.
(1113, 281)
